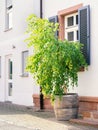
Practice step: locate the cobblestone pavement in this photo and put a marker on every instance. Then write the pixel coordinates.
(9, 126)
(15, 117)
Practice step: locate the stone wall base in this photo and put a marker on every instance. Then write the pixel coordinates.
(46, 104)
(85, 103)
(88, 108)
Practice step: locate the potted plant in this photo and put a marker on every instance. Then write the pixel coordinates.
(55, 65)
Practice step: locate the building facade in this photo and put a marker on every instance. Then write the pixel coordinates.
(16, 85)
(78, 22)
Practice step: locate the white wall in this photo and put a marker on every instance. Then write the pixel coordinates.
(36, 7)
(88, 80)
(23, 87)
(21, 10)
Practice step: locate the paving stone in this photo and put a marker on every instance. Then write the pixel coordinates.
(15, 117)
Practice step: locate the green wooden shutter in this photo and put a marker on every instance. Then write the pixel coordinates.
(54, 19)
(84, 31)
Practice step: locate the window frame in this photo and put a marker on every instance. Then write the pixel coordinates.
(73, 28)
(61, 16)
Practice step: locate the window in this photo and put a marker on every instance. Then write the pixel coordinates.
(24, 59)
(0, 66)
(8, 15)
(76, 26)
(71, 27)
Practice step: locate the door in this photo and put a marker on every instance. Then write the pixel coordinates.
(9, 78)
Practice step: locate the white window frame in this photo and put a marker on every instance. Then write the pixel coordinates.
(73, 28)
(8, 17)
(24, 58)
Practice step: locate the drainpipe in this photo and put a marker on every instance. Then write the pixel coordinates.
(41, 9)
(41, 95)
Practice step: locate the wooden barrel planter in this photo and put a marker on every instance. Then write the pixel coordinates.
(66, 108)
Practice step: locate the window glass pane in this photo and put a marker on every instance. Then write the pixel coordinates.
(70, 21)
(76, 19)
(77, 35)
(10, 69)
(70, 36)
(10, 89)
(24, 59)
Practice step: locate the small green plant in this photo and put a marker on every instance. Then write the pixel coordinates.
(54, 63)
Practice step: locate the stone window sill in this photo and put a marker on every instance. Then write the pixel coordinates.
(24, 75)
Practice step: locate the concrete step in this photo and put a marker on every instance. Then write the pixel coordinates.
(87, 118)
(85, 122)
